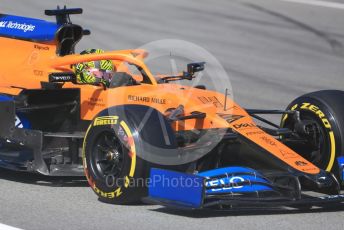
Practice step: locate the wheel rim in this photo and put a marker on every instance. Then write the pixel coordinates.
(108, 157)
(317, 156)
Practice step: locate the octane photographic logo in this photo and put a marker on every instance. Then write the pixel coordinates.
(170, 57)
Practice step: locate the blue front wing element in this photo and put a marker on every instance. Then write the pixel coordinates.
(188, 190)
(234, 180)
(229, 188)
(340, 161)
(237, 184)
(227, 170)
(27, 28)
(175, 188)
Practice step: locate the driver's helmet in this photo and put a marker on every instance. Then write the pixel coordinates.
(94, 72)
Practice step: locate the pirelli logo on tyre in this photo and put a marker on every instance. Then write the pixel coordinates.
(106, 120)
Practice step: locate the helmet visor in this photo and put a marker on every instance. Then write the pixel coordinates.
(102, 74)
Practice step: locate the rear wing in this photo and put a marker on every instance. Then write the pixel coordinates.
(63, 32)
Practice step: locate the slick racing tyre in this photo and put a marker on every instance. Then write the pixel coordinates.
(324, 111)
(113, 148)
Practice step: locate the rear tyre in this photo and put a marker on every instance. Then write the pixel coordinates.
(325, 109)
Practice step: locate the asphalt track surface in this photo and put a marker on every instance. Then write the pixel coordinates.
(273, 51)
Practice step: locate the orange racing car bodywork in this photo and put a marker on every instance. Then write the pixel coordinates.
(38, 60)
(36, 75)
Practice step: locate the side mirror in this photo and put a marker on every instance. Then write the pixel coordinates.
(193, 68)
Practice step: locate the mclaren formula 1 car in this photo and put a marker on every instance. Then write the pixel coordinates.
(145, 137)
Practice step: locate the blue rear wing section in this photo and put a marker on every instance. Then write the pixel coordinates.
(27, 28)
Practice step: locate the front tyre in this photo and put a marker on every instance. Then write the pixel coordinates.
(325, 111)
(111, 165)
(117, 148)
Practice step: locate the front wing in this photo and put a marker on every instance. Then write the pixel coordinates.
(233, 187)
